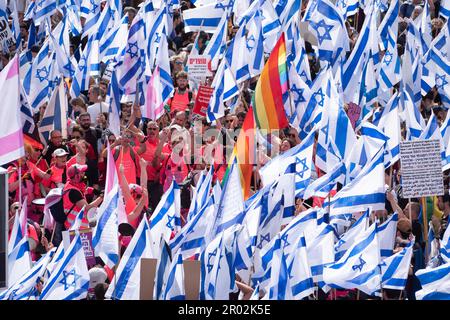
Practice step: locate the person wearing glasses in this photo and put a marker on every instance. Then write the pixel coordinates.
(151, 141)
(56, 142)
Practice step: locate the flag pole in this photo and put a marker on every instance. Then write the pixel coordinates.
(20, 183)
(425, 225)
(409, 202)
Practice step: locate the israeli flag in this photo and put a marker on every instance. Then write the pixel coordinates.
(175, 282)
(348, 239)
(441, 67)
(389, 24)
(390, 70)
(320, 252)
(218, 43)
(359, 267)
(299, 271)
(353, 67)
(191, 239)
(24, 288)
(105, 235)
(166, 218)
(201, 193)
(237, 56)
(218, 268)
(113, 98)
(206, 18)
(40, 77)
(329, 27)
(322, 186)
(444, 10)
(225, 88)
(301, 155)
(347, 7)
(90, 10)
(395, 268)
(279, 287)
(255, 45)
(335, 127)
(112, 46)
(231, 206)
(70, 278)
(435, 283)
(445, 244)
(415, 124)
(80, 80)
(386, 235)
(162, 271)
(61, 46)
(42, 10)
(390, 124)
(300, 95)
(126, 282)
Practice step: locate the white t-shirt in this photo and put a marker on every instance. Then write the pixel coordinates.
(95, 109)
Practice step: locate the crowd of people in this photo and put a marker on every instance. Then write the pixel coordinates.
(149, 154)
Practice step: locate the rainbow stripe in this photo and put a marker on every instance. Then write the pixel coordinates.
(271, 93)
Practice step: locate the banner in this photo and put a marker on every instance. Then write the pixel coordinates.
(201, 101)
(421, 168)
(199, 67)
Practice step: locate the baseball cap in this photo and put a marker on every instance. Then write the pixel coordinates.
(60, 152)
(76, 168)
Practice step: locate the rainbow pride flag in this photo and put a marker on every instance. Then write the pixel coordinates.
(272, 90)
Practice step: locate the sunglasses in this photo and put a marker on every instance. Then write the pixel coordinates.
(228, 121)
(178, 62)
(153, 129)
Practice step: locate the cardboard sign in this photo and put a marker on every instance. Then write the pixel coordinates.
(353, 113)
(202, 100)
(191, 279)
(6, 36)
(199, 67)
(86, 241)
(421, 168)
(147, 284)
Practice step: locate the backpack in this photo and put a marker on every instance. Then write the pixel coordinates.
(57, 208)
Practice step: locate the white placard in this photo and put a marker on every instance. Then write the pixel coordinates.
(421, 168)
(199, 67)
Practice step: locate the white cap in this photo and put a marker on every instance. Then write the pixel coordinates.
(60, 152)
(96, 276)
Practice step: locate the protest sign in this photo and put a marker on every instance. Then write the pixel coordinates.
(421, 168)
(199, 67)
(6, 36)
(353, 112)
(202, 100)
(86, 241)
(147, 283)
(191, 279)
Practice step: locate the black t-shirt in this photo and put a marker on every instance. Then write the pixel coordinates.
(75, 196)
(92, 136)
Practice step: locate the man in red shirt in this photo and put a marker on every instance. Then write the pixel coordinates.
(182, 97)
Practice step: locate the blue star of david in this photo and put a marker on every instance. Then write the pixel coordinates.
(40, 4)
(285, 240)
(320, 101)
(69, 68)
(443, 81)
(251, 43)
(42, 74)
(65, 280)
(169, 222)
(360, 265)
(339, 244)
(326, 27)
(264, 238)
(158, 37)
(220, 5)
(304, 168)
(325, 131)
(383, 264)
(388, 56)
(299, 94)
(94, 6)
(133, 52)
(211, 255)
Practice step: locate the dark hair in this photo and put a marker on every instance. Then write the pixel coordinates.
(85, 114)
(100, 290)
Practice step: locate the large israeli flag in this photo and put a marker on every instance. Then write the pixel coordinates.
(386, 235)
(435, 283)
(126, 282)
(70, 278)
(395, 268)
(359, 267)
